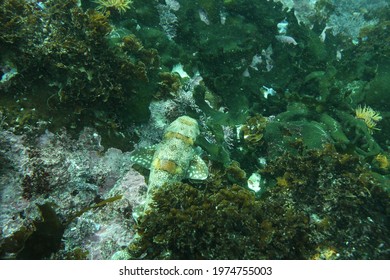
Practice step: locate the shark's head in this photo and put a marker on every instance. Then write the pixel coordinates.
(184, 128)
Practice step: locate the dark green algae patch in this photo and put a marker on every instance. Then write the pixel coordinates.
(326, 193)
(320, 204)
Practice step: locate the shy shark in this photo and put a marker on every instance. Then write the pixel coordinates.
(174, 158)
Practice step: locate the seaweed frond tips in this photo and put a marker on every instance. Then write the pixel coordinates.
(369, 116)
(120, 5)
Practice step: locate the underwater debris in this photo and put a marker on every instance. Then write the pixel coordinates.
(369, 116)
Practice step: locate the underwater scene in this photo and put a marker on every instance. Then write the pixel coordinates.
(202, 130)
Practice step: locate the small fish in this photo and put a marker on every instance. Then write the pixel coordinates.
(41, 5)
(174, 158)
(286, 39)
(323, 33)
(256, 60)
(268, 91)
(222, 16)
(282, 27)
(246, 73)
(268, 60)
(203, 16)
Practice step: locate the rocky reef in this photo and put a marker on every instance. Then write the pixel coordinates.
(289, 99)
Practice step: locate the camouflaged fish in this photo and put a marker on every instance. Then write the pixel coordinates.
(175, 157)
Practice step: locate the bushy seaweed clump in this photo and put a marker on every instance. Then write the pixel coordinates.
(319, 205)
(189, 223)
(73, 62)
(344, 209)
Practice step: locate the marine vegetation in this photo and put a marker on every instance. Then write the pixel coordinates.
(197, 223)
(68, 62)
(339, 199)
(318, 204)
(179, 129)
(252, 130)
(120, 5)
(369, 116)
